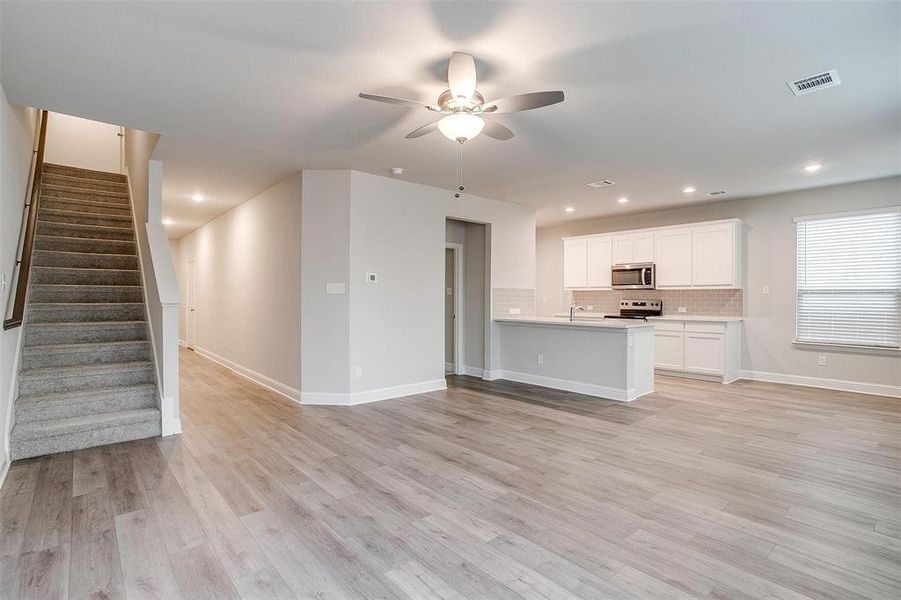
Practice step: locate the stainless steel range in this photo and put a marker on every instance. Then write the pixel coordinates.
(638, 309)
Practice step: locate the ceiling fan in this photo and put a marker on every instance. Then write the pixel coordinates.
(464, 107)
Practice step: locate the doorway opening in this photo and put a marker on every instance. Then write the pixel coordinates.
(465, 298)
(189, 304)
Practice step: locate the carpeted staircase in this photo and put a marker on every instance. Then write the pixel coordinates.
(87, 376)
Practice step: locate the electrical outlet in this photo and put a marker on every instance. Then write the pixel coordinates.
(821, 360)
(372, 277)
(681, 309)
(589, 307)
(4, 283)
(541, 359)
(450, 291)
(358, 372)
(765, 290)
(514, 311)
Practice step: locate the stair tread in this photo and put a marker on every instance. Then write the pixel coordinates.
(49, 167)
(87, 285)
(55, 268)
(55, 427)
(135, 388)
(84, 370)
(82, 239)
(82, 215)
(75, 178)
(83, 345)
(61, 305)
(85, 201)
(97, 228)
(50, 186)
(88, 324)
(86, 254)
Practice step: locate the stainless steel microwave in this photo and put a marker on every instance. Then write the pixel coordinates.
(639, 276)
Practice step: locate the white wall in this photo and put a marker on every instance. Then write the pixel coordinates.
(769, 260)
(78, 142)
(17, 137)
(395, 229)
(247, 274)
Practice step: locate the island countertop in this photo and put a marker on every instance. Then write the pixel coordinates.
(595, 316)
(587, 324)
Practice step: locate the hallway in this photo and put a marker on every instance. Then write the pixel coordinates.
(488, 490)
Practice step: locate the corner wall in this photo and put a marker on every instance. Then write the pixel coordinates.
(769, 259)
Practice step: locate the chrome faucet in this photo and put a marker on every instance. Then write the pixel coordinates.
(572, 311)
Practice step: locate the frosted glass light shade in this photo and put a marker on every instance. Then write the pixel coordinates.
(461, 126)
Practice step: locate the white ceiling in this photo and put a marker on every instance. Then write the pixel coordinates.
(658, 95)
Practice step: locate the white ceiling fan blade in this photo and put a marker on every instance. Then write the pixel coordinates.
(495, 130)
(461, 75)
(424, 130)
(523, 102)
(399, 101)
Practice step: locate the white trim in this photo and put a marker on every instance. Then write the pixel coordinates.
(489, 375)
(589, 389)
(182, 343)
(876, 389)
(267, 382)
(849, 213)
(386, 393)
(849, 348)
(4, 469)
(473, 371)
(458, 305)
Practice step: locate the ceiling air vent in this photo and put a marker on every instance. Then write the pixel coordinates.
(814, 83)
(717, 193)
(600, 184)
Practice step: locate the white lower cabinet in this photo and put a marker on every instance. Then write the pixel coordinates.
(705, 348)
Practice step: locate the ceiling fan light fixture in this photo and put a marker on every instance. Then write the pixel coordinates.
(461, 127)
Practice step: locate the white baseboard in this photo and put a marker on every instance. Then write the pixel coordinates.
(589, 389)
(183, 343)
(267, 382)
(489, 375)
(386, 393)
(473, 371)
(875, 389)
(4, 469)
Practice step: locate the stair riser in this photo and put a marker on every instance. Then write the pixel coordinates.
(79, 407)
(85, 276)
(85, 231)
(96, 196)
(66, 294)
(84, 245)
(75, 335)
(43, 258)
(108, 435)
(83, 184)
(80, 383)
(55, 216)
(51, 169)
(58, 358)
(84, 206)
(96, 313)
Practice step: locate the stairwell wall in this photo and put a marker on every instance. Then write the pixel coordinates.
(17, 140)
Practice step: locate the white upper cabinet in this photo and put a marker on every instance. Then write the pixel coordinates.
(713, 256)
(633, 248)
(705, 255)
(673, 251)
(600, 259)
(575, 263)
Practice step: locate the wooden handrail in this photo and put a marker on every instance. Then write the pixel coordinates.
(28, 245)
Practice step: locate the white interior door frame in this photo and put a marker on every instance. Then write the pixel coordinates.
(458, 305)
(190, 302)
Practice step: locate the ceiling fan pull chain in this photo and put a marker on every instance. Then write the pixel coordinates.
(459, 191)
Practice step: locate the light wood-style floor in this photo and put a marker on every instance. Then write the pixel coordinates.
(489, 490)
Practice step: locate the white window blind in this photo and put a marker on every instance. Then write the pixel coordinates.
(849, 279)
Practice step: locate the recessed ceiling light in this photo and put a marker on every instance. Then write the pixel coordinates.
(813, 168)
(688, 190)
(569, 209)
(197, 197)
(623, 200)
(167, 221)
(397, 170)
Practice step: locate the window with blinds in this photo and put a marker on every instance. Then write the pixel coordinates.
(849, 279)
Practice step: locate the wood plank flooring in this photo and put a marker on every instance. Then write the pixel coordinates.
(489, 490)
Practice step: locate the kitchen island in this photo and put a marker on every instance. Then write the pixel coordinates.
(607, 359)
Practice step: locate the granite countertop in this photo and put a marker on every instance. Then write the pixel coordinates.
(712, 319)
(584, 323)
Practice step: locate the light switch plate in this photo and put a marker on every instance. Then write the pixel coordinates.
(821, 360)
(514, 311)
(334, 288)
(450, 291)
(766, 290)
(681, 309)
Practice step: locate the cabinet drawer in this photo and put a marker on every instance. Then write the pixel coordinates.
(669, 326)
(705, 327)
